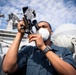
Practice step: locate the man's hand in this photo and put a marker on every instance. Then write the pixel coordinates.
(38, 40)
(21, 27)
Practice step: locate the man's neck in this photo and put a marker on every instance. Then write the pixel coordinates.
(48, 42)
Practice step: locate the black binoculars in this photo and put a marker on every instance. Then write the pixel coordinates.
(28, 18)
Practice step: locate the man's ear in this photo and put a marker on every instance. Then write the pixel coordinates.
(51, 32)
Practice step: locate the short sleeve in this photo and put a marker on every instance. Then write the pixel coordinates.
(68, 57)
(22, 58)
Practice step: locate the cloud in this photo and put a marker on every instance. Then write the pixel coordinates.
(56, 12)
(0, 22)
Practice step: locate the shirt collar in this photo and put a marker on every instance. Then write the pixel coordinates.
(53, 47)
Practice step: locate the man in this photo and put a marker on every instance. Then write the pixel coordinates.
(43, 59)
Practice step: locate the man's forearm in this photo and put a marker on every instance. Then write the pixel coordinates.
(10, 59)
(60, 66)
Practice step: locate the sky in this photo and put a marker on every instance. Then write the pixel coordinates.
(56, 12)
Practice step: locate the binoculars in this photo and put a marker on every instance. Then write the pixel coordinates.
(28, 16)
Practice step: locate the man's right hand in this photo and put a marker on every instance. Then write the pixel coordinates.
(21, 27)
